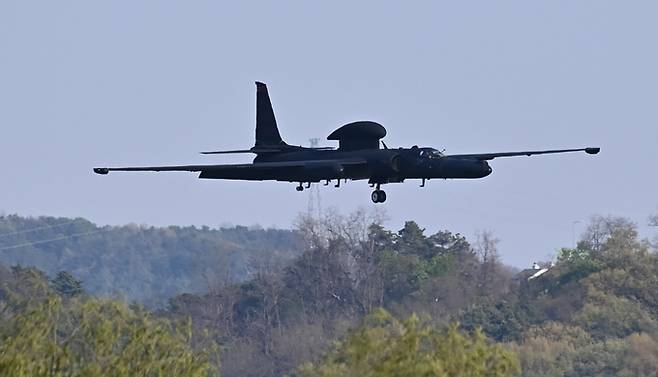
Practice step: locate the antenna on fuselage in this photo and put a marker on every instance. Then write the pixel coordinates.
(384, 144)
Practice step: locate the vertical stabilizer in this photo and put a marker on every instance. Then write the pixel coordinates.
(267, 133)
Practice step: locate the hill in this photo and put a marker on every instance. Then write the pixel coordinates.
(359, 298)
(593, 313)
(142, 263)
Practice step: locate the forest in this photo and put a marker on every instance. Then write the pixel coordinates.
(339, 295)
(139, 263)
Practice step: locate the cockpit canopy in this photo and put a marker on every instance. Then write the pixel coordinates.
(430, 153)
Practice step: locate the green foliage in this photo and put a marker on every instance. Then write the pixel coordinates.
(606, 315)
(595, 313)
(277, 320)
(141, 263)
(20, 287)
(411, 258)
(502, 321)
(401, 273)
(66, 285)
(385, 346)
(569, 351)
(577, 264)
(640, 358)
(550, 349)
(411, 240)
(613, 330)
(97, 338)
(440, 264)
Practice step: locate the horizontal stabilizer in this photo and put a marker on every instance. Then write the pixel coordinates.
(275, 149)
(253, 150)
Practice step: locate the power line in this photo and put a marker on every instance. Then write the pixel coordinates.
(52, 239)
(39, 228)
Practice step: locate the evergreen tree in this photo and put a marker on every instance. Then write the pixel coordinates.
(66, 285)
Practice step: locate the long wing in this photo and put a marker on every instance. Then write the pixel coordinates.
(259, 170)
(491, 156)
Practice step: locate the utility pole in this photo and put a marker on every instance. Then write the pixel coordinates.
(314, 202)
(573, 232)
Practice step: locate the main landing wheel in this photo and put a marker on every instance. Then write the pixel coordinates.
(378, 196)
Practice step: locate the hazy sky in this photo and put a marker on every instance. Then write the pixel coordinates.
(89, 83)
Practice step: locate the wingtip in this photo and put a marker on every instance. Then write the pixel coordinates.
(592, 150)
(102, 171)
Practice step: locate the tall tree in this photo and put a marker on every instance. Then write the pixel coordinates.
(97, 338)
(385, 346)
(66, 285)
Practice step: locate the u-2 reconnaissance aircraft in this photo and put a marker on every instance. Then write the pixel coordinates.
(357, 157)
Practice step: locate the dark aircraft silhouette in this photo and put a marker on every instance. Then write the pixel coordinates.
(358, 156)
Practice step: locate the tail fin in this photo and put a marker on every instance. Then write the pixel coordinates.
(267, 133)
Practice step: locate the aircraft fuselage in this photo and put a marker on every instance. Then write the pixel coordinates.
(381, 166)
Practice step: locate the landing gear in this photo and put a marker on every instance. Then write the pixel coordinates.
(300, 187)
(378, 196)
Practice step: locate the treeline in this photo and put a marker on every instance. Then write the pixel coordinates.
(140, 263)
(51, 327)
(279, 319)
(360, 299)
(593, 313)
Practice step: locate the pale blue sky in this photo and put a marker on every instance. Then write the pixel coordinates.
(87, 83)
